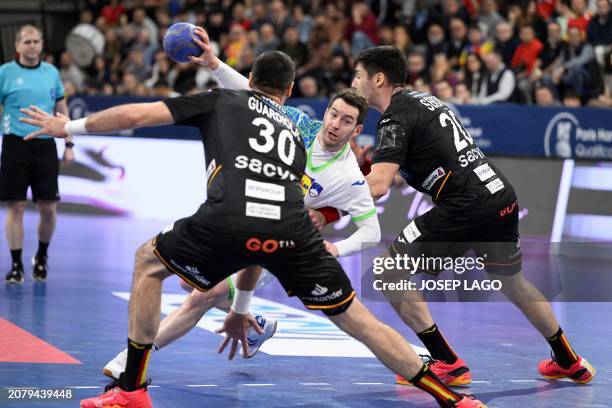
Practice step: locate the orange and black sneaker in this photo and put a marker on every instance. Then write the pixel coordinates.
(581, 371)
(115, 397)
(451, 375)
(469, 401)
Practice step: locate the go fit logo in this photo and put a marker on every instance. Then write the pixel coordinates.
(268, 246)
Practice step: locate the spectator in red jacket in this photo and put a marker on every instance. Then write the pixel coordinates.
(113, 12)
(526, 53)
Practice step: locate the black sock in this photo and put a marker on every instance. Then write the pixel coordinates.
(16, 255)
(564, 354)
(42, 250)
(436, 344)
(135, 375)
(428, 382)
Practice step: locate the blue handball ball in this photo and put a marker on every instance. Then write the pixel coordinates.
(179, 44)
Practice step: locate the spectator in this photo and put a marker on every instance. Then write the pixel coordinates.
(143, 43)
(599, 33)
(128, 86)
(436, 42)
(458, 42)
(134, 64)
(489, 17)
(417, 69)
(292, 46)
(69, 72)
(443, 91)
(526, 54)
(303, 21)
(505, 41)
(113, 12)
(574, 68)
(141, 22)
(477, 42)
(162, 89)
(581, 16)
(239, 16)
(498, 83)
(309, 88)
(267, 39)
(260, 14)
(545, 96)
(237, 41)
(280, 17)
(340, 75)
(385, 34)
(551, 51)
(571, 99)
(362, 30)
(462, 94)
(474, 74)
(401, 39)
(441, 71)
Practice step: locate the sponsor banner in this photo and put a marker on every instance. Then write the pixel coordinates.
(504, 129)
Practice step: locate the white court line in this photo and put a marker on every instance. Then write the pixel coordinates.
(369, 383)
(153, 386)
(83, 387)
(202, 385)
(258, 385)
(315, 384)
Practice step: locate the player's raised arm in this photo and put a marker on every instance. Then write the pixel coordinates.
(129, 116)
(227, 76)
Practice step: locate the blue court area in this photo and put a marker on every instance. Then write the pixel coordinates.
(78, 319)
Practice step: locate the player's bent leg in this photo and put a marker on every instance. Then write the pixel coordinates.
(395, 353)
(565, 362)
(413, 310)
(176, 324)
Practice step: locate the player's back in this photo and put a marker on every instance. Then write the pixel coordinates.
(440, 158)
(255, 158)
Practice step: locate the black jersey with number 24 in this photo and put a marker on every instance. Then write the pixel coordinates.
(255, 159)
(437, 155)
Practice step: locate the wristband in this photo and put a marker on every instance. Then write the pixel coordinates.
(76, 127)
(330, 214)
(242, 301)
(69, 144)
(366, 167)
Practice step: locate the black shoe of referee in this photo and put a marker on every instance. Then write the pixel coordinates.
(39, 271)
(15, 275)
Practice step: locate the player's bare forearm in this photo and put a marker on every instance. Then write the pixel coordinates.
(129, 116)
(381, 178)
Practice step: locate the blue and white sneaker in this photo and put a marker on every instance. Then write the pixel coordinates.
(255, 339)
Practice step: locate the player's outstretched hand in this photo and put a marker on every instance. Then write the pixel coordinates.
(360, 153)
(318, 220)
(48, 124)
(235, 327)
(207, 58)
(331, 248)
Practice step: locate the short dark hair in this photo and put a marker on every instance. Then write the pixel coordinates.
(355, 99)
(386, 59)
(273, 71)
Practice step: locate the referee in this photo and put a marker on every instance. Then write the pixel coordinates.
(23, 82)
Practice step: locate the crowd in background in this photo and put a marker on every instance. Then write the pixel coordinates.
(540, 52)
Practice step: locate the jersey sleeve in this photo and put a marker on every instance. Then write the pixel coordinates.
(392, 144)
(193, 109)
(307, 126)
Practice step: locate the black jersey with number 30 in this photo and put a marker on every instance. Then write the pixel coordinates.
(255, 159)
(436, 154)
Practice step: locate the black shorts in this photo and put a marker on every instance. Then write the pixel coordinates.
(28, 164)
(204, 256)
(438, 235)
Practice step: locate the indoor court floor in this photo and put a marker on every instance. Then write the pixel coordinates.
(59, 334)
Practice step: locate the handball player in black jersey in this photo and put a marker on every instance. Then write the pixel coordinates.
(422, 141)
(254, 215)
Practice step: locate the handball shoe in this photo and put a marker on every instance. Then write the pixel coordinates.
(581, 371)
(15, 275)
(116, 366)
(255, 339)
(451, 375)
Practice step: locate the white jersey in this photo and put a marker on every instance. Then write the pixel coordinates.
(334, 179)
